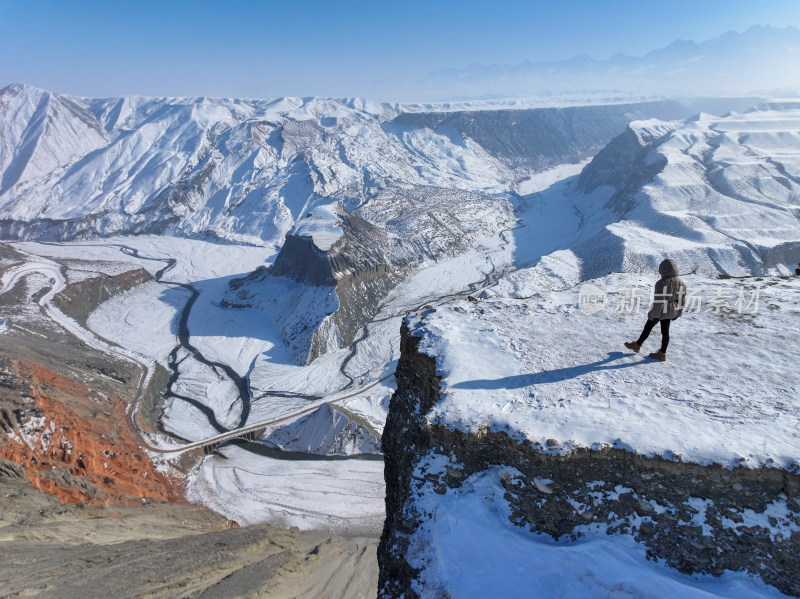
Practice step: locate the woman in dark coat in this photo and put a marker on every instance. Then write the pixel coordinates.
(669, 301)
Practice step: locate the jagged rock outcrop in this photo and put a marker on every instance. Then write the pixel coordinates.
(406, 438)
(302, 261)
(378, 246)
(363, 266)
(653, 499)
(348, 280)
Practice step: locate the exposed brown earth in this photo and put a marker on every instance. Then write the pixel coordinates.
(62, 403)
(76, 447)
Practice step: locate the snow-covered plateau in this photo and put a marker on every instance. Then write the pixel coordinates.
(282, 245)
(521, 419)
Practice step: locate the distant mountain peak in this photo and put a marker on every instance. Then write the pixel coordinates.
(752, 61)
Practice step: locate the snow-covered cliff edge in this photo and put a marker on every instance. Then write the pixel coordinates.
(523, 437)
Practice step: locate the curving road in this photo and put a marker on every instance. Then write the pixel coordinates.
(53, 270)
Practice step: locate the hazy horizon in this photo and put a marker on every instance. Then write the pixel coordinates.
(320, 49)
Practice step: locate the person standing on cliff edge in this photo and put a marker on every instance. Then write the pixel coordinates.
(669, 301)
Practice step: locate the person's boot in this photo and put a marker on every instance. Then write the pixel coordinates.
(659, 355)
(633, 346)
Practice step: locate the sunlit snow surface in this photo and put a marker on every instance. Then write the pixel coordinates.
(551, 367)
(344, 496)
(727, 198)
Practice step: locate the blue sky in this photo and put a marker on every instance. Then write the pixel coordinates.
(326, 48)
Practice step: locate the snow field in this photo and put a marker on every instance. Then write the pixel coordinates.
(314, 493)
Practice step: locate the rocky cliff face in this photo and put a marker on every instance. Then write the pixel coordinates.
(406, 438)
(349, 279)
(378, 245)
(652, 499)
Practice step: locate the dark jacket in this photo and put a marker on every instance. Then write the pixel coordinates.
(670, 293)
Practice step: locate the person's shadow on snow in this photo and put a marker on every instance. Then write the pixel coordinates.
(551, 376)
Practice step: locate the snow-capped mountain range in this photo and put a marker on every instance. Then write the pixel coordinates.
(721, 195)
(758, 60)
(248, 170)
